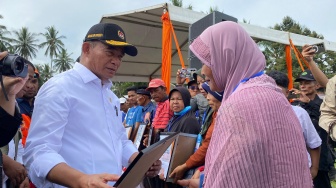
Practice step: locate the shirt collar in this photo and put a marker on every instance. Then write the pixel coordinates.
(88, 76)
(147, 106)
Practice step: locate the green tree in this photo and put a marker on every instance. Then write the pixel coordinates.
(53, 43)
(24, 43)
(212, 9)
(45, 73)
(5, 42)
(63, 61)
(119, 88)
(179, 3)
(275, 53)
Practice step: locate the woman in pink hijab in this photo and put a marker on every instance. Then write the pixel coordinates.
(257, 141)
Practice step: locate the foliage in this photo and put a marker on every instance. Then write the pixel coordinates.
(212, 9)
(275, 53)
(179, 3)
(119, 88)
(45, 73)
(24, 43)
(5, 42)
(53, 43)
(63, 61)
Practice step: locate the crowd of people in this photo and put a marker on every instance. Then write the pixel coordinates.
(70, 132)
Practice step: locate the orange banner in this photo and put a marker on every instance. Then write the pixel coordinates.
(289, 66)
(166, 49)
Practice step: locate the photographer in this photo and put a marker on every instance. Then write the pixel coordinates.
(10, 118)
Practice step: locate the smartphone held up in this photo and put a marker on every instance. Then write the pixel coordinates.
(318, 48)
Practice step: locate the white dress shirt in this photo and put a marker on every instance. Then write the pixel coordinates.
(76, 121)
(310, 134)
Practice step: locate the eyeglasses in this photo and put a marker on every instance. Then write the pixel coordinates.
(193, 87)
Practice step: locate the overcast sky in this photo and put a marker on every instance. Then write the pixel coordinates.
(73, 18)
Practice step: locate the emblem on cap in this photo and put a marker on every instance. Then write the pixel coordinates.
(121, 35)
(304, 73)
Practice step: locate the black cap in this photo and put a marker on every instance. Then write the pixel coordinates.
(191, 82)
(198, 73)
(112, 35)
(306, 75)
(143, 92)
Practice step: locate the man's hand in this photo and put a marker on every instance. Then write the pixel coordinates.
(154, 169)
(3, 54)
(15, 171)
(302, 97)
(13, 84)
(179, 79)
(145, 140)
(308, 53)
(97, 180)
(313, 172)
(191, 183)
(178, 172)
(25, 183)
(147, 118)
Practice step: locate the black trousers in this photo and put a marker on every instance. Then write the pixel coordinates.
(322, 180)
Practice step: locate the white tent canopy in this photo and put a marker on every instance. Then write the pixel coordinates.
(143, 28)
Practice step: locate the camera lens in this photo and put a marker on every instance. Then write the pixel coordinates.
(14, 65)
(18, 66)
(315, 48)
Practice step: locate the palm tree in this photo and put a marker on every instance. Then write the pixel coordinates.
(45, 73)
(24, 43)
(53, 43)
(5, 42)
(63, 61)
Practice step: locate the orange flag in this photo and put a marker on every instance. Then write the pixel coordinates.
(166, 49)
(289, 66)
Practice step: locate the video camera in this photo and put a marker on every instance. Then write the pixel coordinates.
(187, 73)
(13, 65)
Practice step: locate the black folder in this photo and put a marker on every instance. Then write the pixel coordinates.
(136, 171)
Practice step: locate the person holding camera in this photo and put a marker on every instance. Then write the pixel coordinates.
(198, 101)
(12, 160)
(10, 117)
(310, 101)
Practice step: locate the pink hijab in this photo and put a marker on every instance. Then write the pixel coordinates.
(231, 54)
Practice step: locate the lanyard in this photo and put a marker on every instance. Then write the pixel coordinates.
(247, 79)
(204, 116)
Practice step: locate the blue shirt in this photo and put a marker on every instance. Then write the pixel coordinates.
(123, 115)
(76, 121)
(150, 107)
(133, 116)
(25, 107)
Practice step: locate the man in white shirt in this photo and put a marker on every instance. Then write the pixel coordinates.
(76, 137)
(312, 139)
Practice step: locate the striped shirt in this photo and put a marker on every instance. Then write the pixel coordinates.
(162, 115)
(257, 141)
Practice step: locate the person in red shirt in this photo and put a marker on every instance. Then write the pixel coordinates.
(158, 91)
